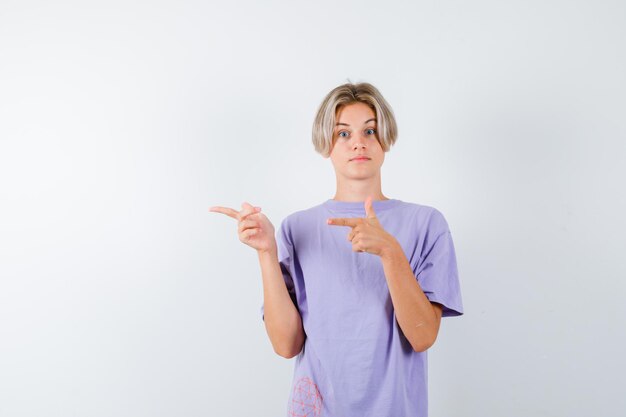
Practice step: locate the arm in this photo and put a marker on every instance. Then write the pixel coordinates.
(282, 319)
(418, 318)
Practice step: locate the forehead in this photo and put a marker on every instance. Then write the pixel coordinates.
(356, 112)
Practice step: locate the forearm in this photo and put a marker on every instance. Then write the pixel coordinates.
(414, 312)
(282, 319)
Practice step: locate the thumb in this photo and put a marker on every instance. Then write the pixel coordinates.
(245, 206)
(369, 208)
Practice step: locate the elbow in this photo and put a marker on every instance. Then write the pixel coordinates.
(290, 348)
(286, 355)
(421, 347)
(288, 352)
(423, 344)
(287, 339)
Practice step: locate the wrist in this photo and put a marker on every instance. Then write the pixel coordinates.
(391, 250)
(272, 252)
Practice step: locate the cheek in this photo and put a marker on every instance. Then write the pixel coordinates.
(338, 149)
(378, 151)
(334, 156)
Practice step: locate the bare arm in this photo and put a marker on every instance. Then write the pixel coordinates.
(282, 319)
(418, 318)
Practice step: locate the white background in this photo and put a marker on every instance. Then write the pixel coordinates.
(121, 122)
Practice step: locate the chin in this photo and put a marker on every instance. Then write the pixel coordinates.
(360, 176)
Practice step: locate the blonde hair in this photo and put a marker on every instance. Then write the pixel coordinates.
(324, 124)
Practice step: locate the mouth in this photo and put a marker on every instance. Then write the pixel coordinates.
(360, 158)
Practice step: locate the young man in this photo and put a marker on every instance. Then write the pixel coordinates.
(356, 286)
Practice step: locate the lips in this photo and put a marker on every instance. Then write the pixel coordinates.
(361, 158)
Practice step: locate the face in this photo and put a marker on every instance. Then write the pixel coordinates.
(355, 135)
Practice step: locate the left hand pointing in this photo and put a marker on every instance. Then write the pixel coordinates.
(367, 234)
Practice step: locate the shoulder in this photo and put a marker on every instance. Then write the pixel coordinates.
(424, 216)
(301, 218)
(422, 211)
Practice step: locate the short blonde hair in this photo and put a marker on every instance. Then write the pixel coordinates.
(324, 124)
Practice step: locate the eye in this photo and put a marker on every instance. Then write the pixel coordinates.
(341, 134)
(373, 131)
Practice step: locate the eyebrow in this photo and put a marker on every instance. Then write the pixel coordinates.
(366, 122)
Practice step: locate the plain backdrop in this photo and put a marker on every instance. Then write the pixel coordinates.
(121, 122)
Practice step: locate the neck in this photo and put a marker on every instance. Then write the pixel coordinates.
(359, 190)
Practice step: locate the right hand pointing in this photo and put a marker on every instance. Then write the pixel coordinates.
(253, 227)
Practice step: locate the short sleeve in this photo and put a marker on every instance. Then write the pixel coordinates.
(285, 256)
(437, 271)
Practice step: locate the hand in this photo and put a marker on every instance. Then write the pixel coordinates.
(253, 227)
(367, 234)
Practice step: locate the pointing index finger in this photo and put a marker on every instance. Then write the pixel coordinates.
(235, 214)
(225, 210)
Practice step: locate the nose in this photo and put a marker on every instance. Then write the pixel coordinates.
(359, 142)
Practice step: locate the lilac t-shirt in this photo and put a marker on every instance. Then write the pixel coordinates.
(355, 360)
